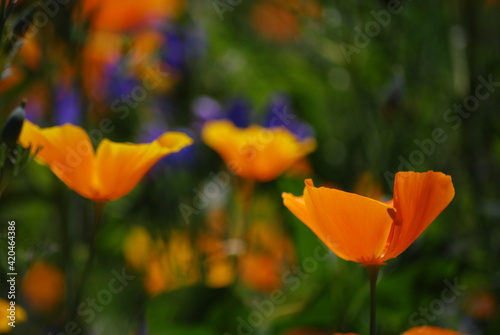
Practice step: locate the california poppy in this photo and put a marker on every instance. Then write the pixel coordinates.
(422, 330)
(107, 174)
(430, 330)
(256, 152)
(368, 231)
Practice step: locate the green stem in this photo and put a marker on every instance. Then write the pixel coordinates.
(244, 196)
(98, 210)
(248, 187)
(373, 271)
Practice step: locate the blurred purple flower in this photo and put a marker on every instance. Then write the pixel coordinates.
(182, 45)
(238, 112)
(174, 53)
(118, 81)
(67, 107)
(280, 114)
(206, 109)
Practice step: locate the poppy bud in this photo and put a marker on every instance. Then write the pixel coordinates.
(13, 125)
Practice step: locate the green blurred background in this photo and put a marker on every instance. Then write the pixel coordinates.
(380, 83)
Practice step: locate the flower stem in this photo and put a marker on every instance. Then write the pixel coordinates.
(98, 210)
(373, 271)
(245, 189)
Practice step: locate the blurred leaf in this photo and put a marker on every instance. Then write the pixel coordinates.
(195, 310)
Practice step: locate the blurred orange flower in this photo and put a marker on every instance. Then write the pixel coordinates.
(368, 231)
(368, 186)
(263, 253)
(44, 286)
(279, 20)
(422, 330)
(256, 152)
(481, 305)
(310, 331)
(20, 315)
(129, 14)
(109, 173)
(104, 49)
(165, 265)
(430, 330)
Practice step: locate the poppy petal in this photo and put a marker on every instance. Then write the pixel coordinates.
(279, 152)
(430, 330)
(298, 207)
(66, 149)
(354, 227)
(120, 166)
(218, 135)
(174, 141)
(418, 198)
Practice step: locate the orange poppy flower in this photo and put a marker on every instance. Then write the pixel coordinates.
(109, 173)
(368, 231)
(430, 330)
(422, 330)
(256, 152)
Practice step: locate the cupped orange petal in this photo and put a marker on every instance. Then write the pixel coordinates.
(431, 330)
(174, 141)
(66, 149)
(418, 199)
(355, 228)
(120, 166)
(298, 207)
(255, 152)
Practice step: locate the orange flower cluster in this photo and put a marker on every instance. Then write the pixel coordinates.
(165, 265)
(129, 14)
